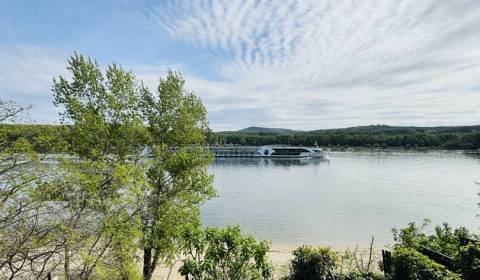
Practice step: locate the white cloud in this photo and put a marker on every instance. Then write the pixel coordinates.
(306, 64)
(26, 75)
(313, 64)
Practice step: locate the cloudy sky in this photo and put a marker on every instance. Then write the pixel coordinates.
(305, 64)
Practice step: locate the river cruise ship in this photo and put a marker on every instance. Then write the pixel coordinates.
(280, 151)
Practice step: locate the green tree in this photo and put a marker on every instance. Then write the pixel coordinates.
(224, 254)
(122, 202)
(177, 178)
(28, 236)
(100, 191)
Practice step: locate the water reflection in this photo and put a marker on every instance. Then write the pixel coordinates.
(268, 162)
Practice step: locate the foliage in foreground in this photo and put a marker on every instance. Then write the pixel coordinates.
(468, 259)
(323, 263)
(32, 231)
(314, 263)
(224, 254)
(90, 215)
(408, 264)
(444, 240)
(115, 120)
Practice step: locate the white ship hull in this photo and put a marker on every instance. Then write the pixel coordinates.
(290, 152)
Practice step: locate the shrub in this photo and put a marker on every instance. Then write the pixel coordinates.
(311, 263)
(468, 261)
(409, 264)
(445, 240)
(224, 254)
(412, 236)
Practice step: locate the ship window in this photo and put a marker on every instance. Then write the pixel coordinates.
(286, 151)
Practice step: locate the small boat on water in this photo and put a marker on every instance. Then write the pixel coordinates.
(283, 151)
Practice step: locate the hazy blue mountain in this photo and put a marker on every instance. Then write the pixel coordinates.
(374, 129)
(386, 129)
(256, 129)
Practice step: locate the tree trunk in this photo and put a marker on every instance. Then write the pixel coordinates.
(154, 262)
(67, 262)
(147, 263)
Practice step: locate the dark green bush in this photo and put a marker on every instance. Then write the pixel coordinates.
(214, 253)
(445, 239)
(311, 263)
(408, 264)
(468, 262)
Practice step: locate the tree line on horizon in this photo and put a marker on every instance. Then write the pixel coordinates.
(454, 138)
(464, 138)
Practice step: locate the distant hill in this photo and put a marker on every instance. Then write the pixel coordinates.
(387, 129)
(374, 129)
(444, 137)
(256, 129)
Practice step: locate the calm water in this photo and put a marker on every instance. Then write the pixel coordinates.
(346, 200)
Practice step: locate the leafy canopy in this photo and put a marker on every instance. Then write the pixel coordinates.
(116, 120)
(224, 254)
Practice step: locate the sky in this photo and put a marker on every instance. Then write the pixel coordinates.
(306, 64)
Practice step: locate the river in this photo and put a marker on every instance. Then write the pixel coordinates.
(347, 199)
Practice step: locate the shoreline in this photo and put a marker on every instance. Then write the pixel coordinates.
(279, 255)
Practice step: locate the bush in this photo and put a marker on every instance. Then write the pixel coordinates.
(409, 264)
(314, 263)
(224, 254)
(468, 261)
(445, 240)
(412, 236)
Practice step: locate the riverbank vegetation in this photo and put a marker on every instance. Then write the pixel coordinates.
(453, 138)
(376, 136)
(109, 213)
(381, 136)
(447, 253)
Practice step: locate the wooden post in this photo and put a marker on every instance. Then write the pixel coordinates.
(387, 262)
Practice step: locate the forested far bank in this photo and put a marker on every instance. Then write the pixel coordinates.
(57, 137)
(458, 137)
(42, 137)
